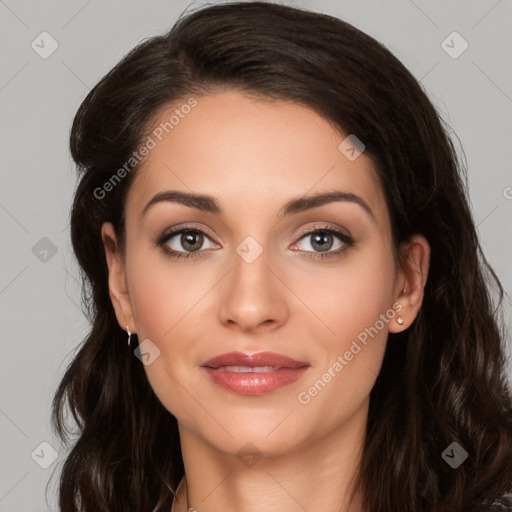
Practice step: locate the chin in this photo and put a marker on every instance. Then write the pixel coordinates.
(268, 432)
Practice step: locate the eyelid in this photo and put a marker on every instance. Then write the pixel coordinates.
(342, 234)
(322, 227)
(169, 233)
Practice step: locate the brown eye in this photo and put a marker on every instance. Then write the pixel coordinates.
(185, 242)
(324, 240)
(321, 241)
(191, 240)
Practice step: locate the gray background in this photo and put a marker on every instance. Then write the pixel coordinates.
(41, 317)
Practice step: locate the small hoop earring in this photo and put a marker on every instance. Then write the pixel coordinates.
(400, 320)
(129, 334)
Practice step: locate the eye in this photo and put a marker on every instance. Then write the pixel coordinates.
(190, 241)
(324, 242)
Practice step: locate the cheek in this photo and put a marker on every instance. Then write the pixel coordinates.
(168, 304)
(163, 304)
(349, 297)
(162, 295)
(355, 305)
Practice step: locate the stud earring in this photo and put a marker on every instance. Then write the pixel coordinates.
(129, 334)
(400, 320)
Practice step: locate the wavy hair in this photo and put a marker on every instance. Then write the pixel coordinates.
(442, 380)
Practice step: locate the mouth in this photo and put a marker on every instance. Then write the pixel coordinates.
(254, 374)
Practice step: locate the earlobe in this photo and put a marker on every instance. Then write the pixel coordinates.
(118, 290)
(415, 260)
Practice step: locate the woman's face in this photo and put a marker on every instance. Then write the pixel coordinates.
(253, 276)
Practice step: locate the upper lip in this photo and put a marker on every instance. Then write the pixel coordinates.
(254, 360)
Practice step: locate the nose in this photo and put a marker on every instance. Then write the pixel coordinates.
(253, 296)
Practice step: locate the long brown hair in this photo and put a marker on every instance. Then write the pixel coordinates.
(442, 380)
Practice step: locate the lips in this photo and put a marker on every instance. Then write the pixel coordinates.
(254, 374)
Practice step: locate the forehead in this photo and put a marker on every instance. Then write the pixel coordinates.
(250, 153)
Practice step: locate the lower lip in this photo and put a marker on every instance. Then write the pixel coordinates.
(255, 383)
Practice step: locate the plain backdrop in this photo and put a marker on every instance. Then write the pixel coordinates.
(41, 317)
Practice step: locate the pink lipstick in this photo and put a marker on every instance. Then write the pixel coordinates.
(254, 374)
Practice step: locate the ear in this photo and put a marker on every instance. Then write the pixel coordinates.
(415, 260)
(117, 279)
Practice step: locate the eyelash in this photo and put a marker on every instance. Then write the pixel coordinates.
(343, 237)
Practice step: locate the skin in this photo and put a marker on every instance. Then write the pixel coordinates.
(253, 156)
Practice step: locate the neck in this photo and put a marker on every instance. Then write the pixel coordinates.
(315, 477)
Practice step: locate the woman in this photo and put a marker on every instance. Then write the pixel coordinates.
(290, 309)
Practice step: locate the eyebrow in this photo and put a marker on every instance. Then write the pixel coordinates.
(207, 203)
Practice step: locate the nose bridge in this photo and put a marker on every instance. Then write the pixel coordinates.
(253, 294)
(251, 261)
